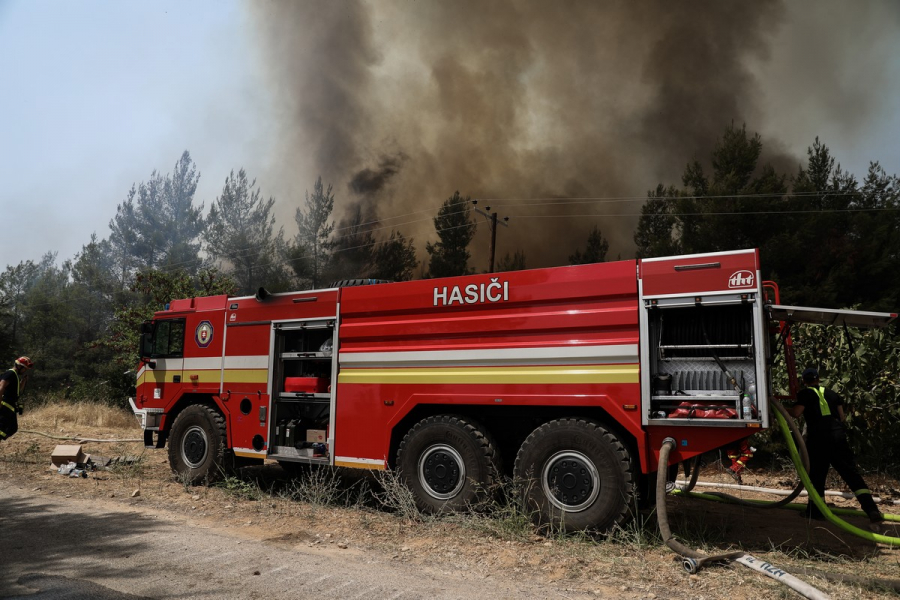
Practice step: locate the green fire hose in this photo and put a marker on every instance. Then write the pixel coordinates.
(693, 561)
(829, 512)
(820, 503)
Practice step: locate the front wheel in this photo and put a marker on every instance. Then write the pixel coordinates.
(448, 462)
(577, 474)
(197, 445)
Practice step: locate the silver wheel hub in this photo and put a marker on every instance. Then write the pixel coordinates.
(194, 447)
(570, 481)
(442, 471)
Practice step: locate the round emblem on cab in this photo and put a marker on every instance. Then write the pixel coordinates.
(204, 334)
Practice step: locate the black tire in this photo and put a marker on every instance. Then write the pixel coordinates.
(577, 475)
(197, 445)
(356, 282)
(449, 462)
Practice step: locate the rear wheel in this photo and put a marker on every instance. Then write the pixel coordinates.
(448, 462)
(197, 445)
(577, 474)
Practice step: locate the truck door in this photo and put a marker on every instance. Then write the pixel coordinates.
(825, 316)
(703, 341)
(163, 345)
(303, 372)
(789, 315)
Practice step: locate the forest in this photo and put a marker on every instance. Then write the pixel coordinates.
(830, 239)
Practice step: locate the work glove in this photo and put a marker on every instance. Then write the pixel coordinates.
(19, 409)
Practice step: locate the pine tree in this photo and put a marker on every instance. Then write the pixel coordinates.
(242, 233)
(514, 262)
(596, 249)
(352, 254)
(158, 226)
(657, 230)
(315, 232)
(455, 229)
(394, 259)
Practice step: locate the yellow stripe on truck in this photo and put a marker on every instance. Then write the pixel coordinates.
(152, 376)
(202, 376)
(246, 375)
(245, 453)
(506, 375)
(210, 376)
(359, 463)
(231, 376)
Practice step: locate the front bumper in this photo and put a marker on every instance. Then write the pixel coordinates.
(150, 419)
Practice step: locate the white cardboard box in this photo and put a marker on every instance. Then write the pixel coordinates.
(315, 435)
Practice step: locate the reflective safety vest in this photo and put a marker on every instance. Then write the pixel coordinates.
(5, 404)
(823, 404)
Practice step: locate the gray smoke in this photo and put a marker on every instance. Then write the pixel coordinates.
(372, 180)
(399, 104)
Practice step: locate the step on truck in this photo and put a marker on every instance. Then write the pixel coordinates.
(566, 378)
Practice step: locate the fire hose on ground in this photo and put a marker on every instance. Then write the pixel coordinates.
(800, 458)
(693, 560)
(78, 438)
(773, 491)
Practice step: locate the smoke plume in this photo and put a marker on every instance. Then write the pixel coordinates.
(370, 181)
(523, 104)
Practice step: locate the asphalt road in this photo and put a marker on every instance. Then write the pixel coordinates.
(66, 549)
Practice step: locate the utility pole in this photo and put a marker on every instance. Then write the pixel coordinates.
(494, 222)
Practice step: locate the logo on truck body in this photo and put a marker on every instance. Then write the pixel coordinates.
(741, 279)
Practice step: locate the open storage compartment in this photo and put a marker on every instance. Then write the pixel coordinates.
(302, 395)
(704, 355)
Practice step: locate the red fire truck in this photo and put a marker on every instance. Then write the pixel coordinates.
(569, 378)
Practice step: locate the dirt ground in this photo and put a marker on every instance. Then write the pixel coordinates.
(632, 563)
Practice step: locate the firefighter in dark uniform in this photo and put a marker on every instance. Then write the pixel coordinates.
(827, 443)
(12, 383)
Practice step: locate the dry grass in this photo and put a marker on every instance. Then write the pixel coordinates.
(65, 414)
(497, 540)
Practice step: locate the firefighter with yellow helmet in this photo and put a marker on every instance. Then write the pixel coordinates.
(12, 382)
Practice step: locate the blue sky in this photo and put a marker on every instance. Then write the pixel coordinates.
(97, 95)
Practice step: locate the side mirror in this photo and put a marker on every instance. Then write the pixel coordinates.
(130, 379)
(146, 344)
(146, 327)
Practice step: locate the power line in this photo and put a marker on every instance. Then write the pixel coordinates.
(561, 201)
(288, 262)
(248, 250)
(493, 221)
(550, 200)
(555, 201)
(715, 213)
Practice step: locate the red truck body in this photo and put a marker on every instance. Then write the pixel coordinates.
(612, 348)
